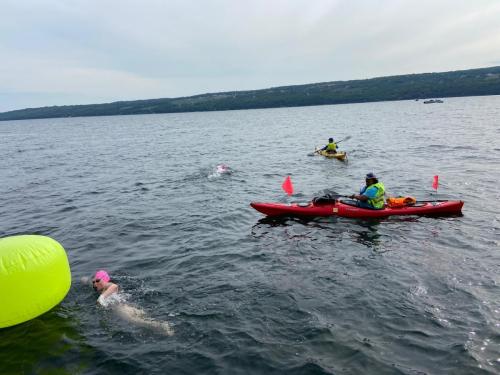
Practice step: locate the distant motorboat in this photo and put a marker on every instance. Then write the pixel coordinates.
(431, 101)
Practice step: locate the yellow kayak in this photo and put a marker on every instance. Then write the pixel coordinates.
(342, 155)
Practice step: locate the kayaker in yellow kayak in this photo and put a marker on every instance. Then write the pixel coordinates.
(331, 147)
(371, 195)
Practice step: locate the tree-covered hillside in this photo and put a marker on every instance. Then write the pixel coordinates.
(471, 82)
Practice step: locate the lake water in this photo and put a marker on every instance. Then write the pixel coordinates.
(140, 197)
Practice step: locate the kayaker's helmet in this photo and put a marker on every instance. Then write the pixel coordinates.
(330, 140)
(371, 177)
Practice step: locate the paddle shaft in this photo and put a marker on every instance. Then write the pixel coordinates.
(345, 139)
(434, 200)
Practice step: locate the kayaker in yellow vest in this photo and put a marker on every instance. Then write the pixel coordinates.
(371, 195)
(331, 147)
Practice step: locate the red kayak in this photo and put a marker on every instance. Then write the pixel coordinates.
(342, 209)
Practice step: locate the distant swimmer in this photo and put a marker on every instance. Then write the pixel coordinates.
(110, 297)
(222, 168)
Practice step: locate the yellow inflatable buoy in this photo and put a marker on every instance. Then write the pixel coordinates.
(34, 277)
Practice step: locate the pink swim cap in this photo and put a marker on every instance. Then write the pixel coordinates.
(102, 275)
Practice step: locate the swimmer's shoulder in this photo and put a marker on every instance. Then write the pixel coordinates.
(112, 287)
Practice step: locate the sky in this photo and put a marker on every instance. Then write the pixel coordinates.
(61, 52)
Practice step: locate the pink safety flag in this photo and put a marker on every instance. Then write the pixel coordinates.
(287, 185)
(435, 182)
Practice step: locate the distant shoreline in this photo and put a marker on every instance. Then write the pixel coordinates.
(460, 83)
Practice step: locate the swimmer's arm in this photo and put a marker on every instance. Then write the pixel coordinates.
(113, 288)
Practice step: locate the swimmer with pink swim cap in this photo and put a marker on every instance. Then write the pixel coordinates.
(101, 282)
(221, 168)
(103, 275)
(110, 298)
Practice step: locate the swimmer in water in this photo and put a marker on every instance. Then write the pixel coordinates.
(109, 297)
(102, 284)
(222, 168)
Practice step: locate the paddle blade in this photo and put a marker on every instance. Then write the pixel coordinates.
(287, 186)
(314, 153)
(345, 139)
(435, 182)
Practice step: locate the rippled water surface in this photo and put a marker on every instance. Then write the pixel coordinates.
(141, 197)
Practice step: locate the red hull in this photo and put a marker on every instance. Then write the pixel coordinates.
(344, 210)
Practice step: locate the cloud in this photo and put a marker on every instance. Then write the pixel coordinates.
(113, 50)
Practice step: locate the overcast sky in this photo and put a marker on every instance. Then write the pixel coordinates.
(56, 52)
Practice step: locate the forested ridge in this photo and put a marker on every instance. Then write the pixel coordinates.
(472, 82)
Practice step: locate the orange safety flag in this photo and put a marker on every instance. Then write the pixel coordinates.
(435, 183)
(287, 185)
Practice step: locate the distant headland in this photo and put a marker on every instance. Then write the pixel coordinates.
(471, 82)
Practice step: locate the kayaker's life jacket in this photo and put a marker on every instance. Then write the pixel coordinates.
(398, 202)
(332, 146)
(378, 201)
